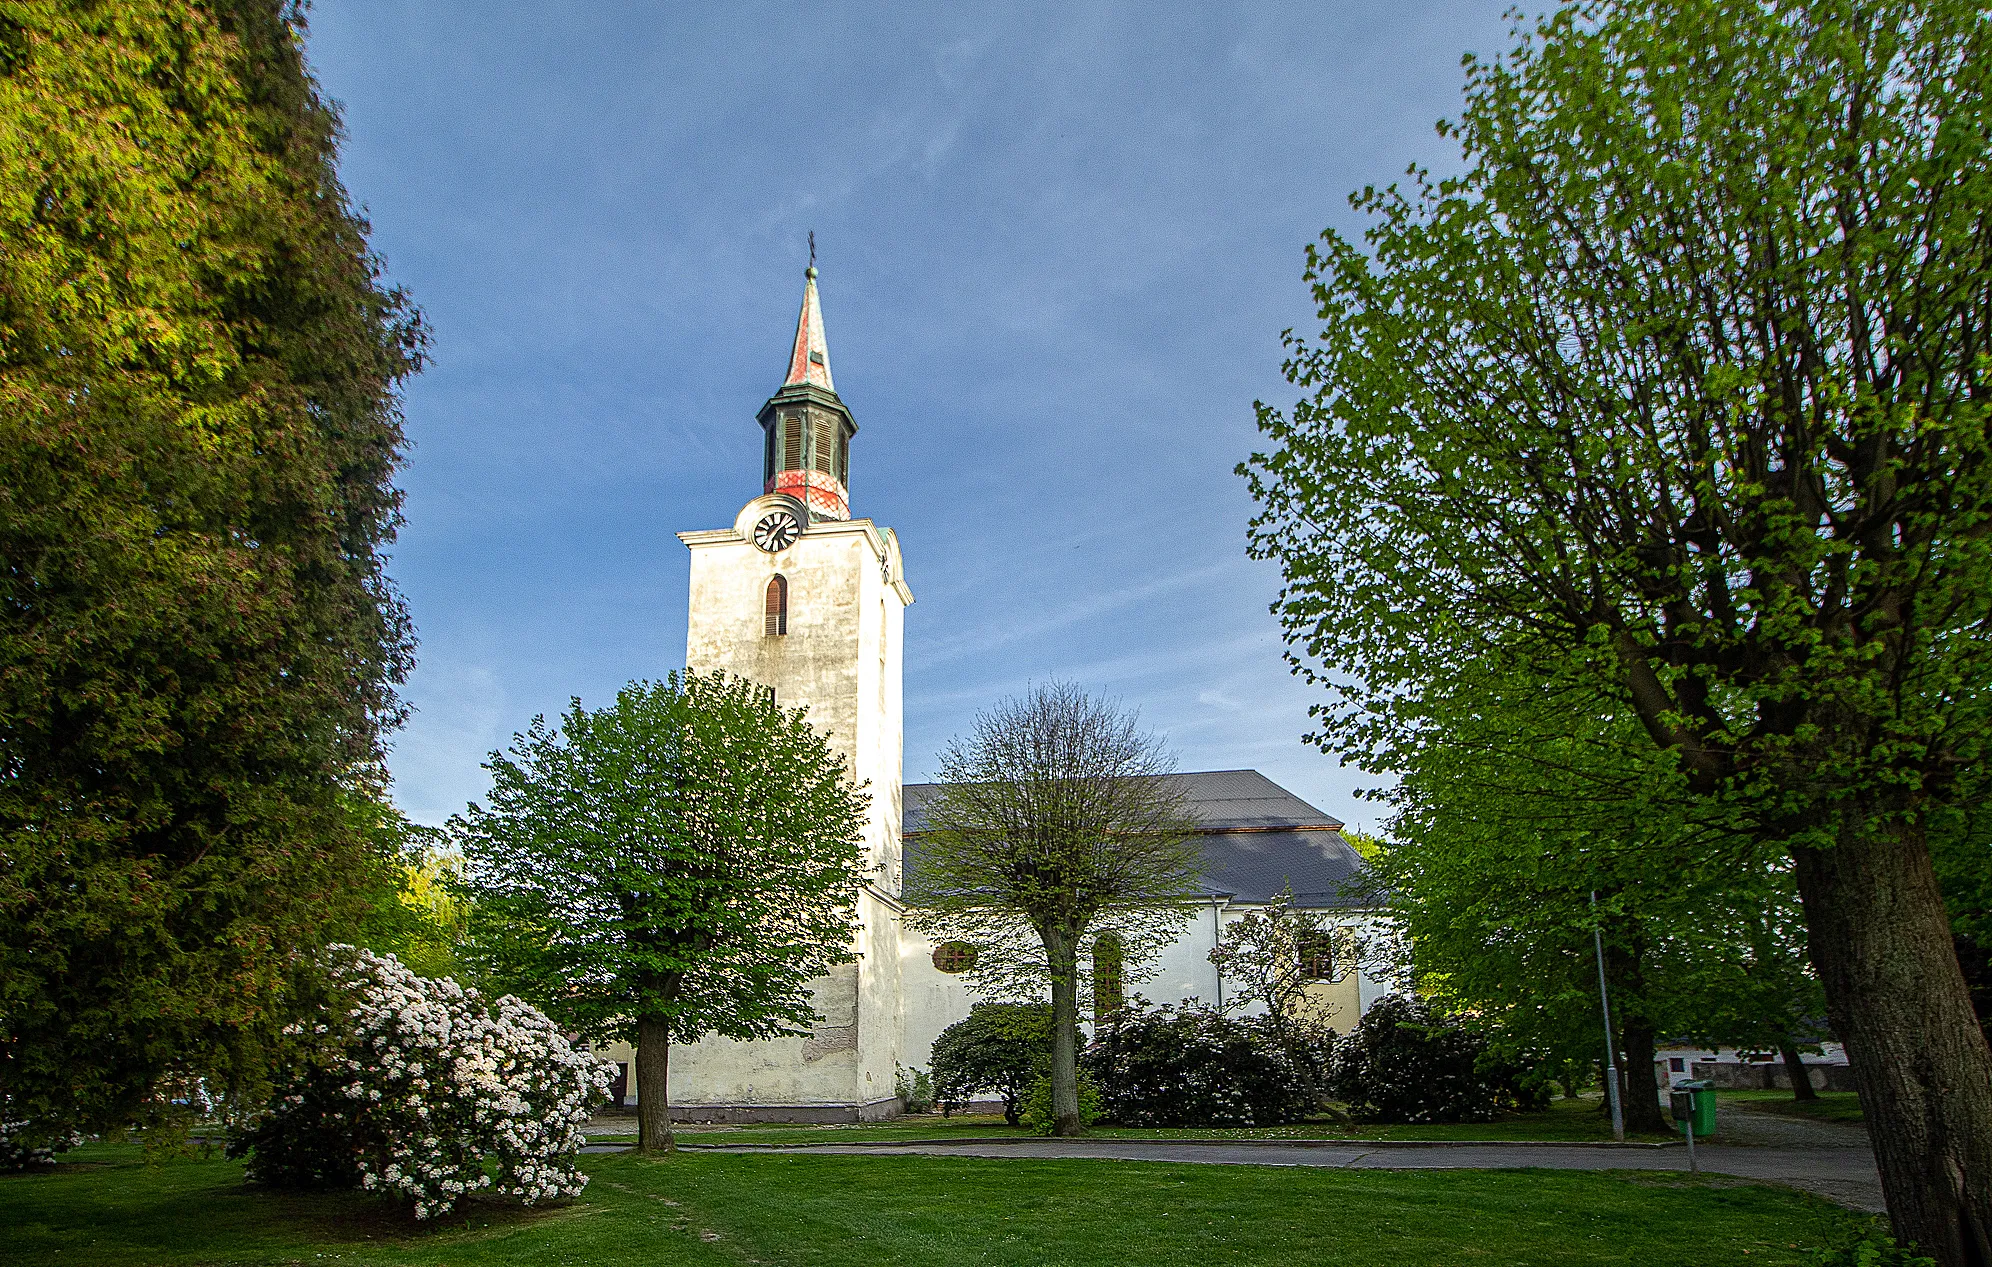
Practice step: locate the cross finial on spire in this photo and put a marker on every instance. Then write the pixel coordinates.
(812, 248)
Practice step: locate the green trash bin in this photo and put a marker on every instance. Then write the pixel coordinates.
(1701, 1094)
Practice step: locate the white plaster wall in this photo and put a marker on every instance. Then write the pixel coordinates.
(930, 1000)
(841, 659)
(1184, 970)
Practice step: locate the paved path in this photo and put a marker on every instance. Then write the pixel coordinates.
(1831, 1160)
(1847, 1176)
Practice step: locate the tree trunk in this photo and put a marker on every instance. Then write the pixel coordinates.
(1062, 955)
(1881, 943)
(1640, 1086)
(653, 1086)
(1801, 1077)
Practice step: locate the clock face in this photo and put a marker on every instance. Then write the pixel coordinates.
(776, 531)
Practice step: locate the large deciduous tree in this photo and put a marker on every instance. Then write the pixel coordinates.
(1055, 823)
(1545, 814)
(681, 863)
(1682, 382)
(198, 644)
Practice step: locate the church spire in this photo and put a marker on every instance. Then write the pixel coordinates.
(807, 428)
(809, 362)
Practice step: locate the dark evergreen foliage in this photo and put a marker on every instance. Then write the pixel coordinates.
(1191, 1066)
(198, 643)
(1405, 1063)
(998, 1049)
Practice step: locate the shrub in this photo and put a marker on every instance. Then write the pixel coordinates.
(1866, 1243)
(998, 1048)
(423, 1090)
(915, 1088)
(26, 1145)
(1191, 1066)
(1405, 1063)
(1038, 1117)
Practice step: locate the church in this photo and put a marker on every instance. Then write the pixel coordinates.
(798, 595)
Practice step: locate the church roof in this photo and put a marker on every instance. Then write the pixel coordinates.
(1257, 838)
(809, 360)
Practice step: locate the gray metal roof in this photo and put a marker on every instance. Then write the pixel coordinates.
(1246, 853)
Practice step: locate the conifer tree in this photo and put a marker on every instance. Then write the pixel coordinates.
(199, 646)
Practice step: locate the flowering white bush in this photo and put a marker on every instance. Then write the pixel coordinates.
(424, 1090)
(18, 1153)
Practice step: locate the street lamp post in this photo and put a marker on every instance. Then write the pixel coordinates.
(1611, 1045)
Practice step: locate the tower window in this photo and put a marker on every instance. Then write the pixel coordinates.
(826, 439)
(843, 458)
(778, 606)
(792, 443)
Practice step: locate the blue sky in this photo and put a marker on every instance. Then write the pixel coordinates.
(1058, 245)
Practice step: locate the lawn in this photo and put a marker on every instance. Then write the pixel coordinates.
(109, 1209)
(1565, 1121)
(1831, 1106)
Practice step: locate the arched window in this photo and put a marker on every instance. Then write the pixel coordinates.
(1108, 997)
(778, 605)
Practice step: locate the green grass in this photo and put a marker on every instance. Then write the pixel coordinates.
(1831, 1106)
(1566, 1121)
(109, 1209)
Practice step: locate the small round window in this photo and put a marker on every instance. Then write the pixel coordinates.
(954, 956)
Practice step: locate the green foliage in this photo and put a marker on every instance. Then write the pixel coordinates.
(1868, 1246)
(416, 910)
(198, 641)
(1040, 1117)
(1530, 807)
(914, 1087)
(1053, 829)
(998, 1049)
(1194, 1066)
(1405, 1062)
(1670, 410)
(690, 854)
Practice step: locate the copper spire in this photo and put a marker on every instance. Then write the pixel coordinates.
(809, 362)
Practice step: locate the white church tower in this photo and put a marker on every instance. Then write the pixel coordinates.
(807, 601)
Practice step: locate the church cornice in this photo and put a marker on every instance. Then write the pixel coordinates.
(884, 544)
(808, 394)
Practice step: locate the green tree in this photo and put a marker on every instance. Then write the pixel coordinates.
(1274, 954)
(1535, 801)
(416, 910)
(998, 1047)
(198, 643)
(1053, 827)
(681, 863)
(1681, 382)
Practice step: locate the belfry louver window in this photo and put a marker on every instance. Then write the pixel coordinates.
(792, 443)
(826, 441)
(778, 606)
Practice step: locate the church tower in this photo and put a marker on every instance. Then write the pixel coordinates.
(805, 600)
